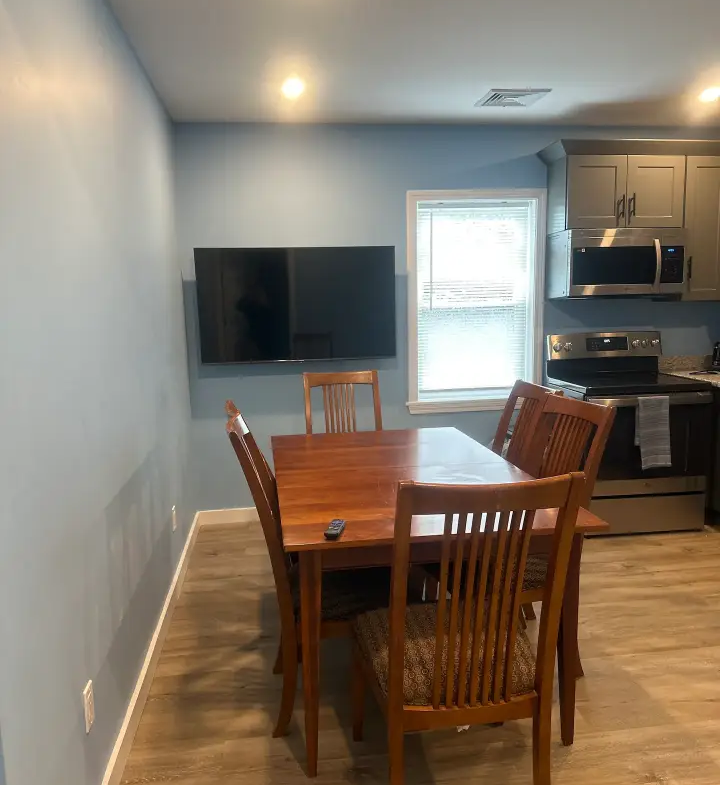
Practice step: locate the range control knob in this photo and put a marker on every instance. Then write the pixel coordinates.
(655, 342)
(568, 347)
(635, 344)
(644, 343)
(557, 347)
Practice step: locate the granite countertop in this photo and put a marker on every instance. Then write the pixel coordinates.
(688, 367)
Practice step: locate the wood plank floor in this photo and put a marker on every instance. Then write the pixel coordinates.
(648, 709)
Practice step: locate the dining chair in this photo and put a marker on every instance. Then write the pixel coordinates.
(570, 436)
(465, 659)
(531, 398)
(338, 391)
(345, 593)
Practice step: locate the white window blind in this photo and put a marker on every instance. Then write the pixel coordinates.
(476, 296)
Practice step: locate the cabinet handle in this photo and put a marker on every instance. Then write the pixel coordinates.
(689, 267)
(631, 206)
(620, 209)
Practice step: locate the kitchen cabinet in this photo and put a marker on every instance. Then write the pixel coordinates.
(596, 187)
(610, 191)
(655, 191)
(702, 220)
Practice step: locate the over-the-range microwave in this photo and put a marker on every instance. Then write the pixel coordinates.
(616, 263)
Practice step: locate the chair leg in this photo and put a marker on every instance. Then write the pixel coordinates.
(290, 678)
(541, 742)
(358, 698)
(529, 611)
(278, 666)
(396, 745)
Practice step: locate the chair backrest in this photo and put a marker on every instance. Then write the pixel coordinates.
(491, 535)
(532, 397)
(338, 391)
(570, 437)
(263, 488)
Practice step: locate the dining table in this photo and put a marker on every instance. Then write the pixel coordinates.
(354, 476)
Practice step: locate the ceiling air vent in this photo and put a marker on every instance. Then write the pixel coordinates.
(506, 98)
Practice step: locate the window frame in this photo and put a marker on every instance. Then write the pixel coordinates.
(477, 404)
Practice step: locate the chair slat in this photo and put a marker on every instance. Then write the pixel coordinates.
(454, 608)
(488, 541)
(441, 611)
(467, 607)
(492, 622)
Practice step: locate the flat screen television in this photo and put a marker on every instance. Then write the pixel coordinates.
(293, 304)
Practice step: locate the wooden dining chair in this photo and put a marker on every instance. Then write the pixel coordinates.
(345, 593)
(465, 660)
(570, 436)
(530, 399)
(338, 391)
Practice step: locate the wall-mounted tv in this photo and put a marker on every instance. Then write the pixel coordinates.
(292, 304)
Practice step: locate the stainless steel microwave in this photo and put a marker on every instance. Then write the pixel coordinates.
(616, 263)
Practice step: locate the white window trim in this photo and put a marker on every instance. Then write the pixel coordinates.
(477, 404)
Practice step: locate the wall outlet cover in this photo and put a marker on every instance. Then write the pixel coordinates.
(89, 706)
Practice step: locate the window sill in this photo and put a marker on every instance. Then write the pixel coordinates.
(440, 407)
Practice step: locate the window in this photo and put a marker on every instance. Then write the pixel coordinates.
(475, 262)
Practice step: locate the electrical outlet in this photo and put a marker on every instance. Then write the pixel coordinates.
(89, 705)
(174, 518)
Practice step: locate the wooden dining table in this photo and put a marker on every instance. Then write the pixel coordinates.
(354, 476)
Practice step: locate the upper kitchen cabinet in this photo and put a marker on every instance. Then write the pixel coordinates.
(702, 220)
(596, 186)
(655, 191)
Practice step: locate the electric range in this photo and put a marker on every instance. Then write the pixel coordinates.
(617, 369)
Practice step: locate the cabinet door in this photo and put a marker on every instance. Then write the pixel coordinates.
(656, 190)
(702, 220)
(596, 191)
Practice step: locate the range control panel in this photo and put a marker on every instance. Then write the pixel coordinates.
(645, 343)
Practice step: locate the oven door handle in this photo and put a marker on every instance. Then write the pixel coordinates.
(658, 264)
(676, 399)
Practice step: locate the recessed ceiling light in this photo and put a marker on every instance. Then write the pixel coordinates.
(710, 95)
(293, 87)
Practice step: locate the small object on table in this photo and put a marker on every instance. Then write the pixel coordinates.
(335, 529)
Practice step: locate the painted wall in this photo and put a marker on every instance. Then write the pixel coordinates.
(279, 185)
(93, 396)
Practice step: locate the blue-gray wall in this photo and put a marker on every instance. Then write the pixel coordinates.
(326, 185)
(94, 396)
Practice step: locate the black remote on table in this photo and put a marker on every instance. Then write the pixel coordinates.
(335, 529)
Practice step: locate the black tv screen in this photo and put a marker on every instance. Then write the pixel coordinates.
(284, 304)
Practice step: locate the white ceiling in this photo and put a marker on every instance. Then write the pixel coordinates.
(625, 62)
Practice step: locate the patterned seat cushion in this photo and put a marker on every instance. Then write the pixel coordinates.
(346, 593)
(536, 569)
(373, 634)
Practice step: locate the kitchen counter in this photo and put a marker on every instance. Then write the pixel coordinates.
(688, 366)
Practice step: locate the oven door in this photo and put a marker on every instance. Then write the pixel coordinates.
(621, 472)
(614, 263)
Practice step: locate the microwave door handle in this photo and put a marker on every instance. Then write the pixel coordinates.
(658, 264)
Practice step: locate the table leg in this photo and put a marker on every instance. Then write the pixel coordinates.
(310, 616)
(568, 657)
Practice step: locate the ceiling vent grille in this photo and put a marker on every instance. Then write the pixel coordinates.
(517, 98)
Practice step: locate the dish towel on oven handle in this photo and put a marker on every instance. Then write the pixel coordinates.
(652, 431)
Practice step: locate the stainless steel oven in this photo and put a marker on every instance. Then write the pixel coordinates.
(619, 369)
(617, 263)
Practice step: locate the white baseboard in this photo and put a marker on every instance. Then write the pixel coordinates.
(123, 743)
(236, 515)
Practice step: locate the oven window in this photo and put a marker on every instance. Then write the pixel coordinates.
(690, 444)
(621, 265)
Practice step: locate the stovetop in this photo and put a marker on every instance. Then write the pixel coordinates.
(608, 384)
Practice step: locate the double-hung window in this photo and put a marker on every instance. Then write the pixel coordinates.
(475, 263)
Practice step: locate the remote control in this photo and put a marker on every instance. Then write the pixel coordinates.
(335, 529)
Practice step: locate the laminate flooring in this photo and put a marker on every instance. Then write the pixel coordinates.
(648, 710)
